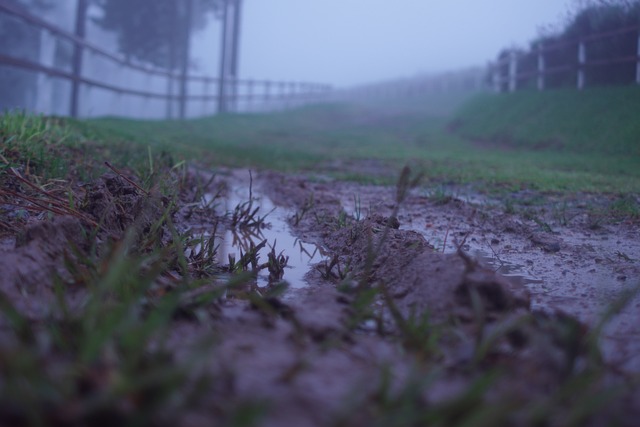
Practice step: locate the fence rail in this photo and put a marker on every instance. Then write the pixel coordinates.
(507, 75)
(246, 91)
(460, 81)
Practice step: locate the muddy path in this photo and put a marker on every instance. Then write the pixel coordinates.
(400, 306)
(564, 261)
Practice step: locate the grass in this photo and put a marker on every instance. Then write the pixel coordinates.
(107, 361)
(102, 353)
(597, 120)
(34, 140)
(595, 150)
(553, 141)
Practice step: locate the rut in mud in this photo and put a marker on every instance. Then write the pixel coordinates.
(398, 317)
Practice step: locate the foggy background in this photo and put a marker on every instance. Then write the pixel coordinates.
(350, 42)
(343, 43)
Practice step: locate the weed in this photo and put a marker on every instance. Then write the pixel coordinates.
(43, 200)
(509, 207)
(357, 212)
(405, 404)
(405, 183)
(341, 220)
(326, 268)
(202, 253)
(440, 196)
(563, 214)
(306, 207)
(417, 333)
(595, 219)
(626, 206)
(106, 361)
(276, 264)
(245, 215)
(30, 143)
(543, 225)
(365, 292)
(362, 306)
(249, 259)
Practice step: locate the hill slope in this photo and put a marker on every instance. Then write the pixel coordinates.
(602, 120)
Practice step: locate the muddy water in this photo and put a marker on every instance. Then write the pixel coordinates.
(301, 255)
(582, 272)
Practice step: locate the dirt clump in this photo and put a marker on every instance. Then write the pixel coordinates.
(38, 256)
(44, 249)
(118, 205)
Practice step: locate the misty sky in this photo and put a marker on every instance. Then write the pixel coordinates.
(346, 42)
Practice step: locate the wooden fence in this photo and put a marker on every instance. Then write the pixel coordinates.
(245, 94)
(464, 80)
(581, 59)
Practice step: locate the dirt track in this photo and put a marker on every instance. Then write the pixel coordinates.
(332, 349)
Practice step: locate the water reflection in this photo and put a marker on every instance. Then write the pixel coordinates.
(271, 234)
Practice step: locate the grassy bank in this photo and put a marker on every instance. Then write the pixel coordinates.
(599, 120)
(314, 138)
(555, 141)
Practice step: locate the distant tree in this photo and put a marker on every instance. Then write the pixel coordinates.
(17, 87)
(579, 5)
(154, 31)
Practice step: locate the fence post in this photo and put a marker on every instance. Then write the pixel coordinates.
(283, 96)
(235, 48)
(172, 61)
(222, 89)
(44, 91)
(513, 71)
(205, 91)
(267, 95)
(249, 95)
(638, 59)
(495, 76)
(184, 62)
(293, 93)
(582, 58)
(80, 31)
(541, 67)
(233, 96)
(169, 107)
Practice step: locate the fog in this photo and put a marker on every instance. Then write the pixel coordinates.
(349, 42)
(343, 43)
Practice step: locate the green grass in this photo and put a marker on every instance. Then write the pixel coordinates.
(58, 148)
(597, 120)
(35, 140)
(312, 138)
(551, 141)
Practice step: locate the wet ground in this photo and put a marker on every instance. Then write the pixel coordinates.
(347, 344)
(567, 265)
(565, 262)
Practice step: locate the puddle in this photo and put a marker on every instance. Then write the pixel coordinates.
(592, 269)
(301, 255)
(507, 269)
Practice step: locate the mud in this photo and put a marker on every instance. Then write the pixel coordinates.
(575, 267)
(340, 340)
